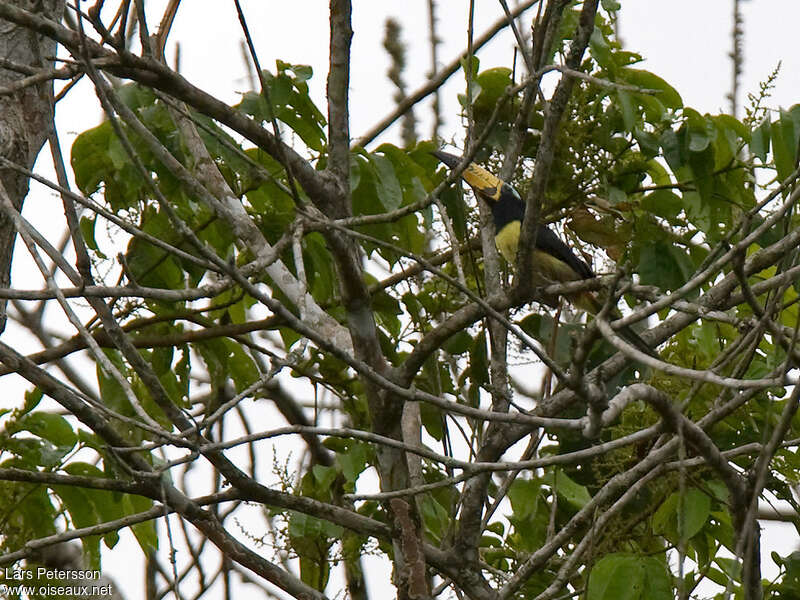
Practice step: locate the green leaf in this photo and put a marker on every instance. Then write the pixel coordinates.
(671, 147)
(435, 518)
(325, 476)
(145, 532)
(431, 417)
(542, 327)
(698, 141)
(110, 390)
(240, 367)
(225, 359)
(107, 505)
(353, 462)
(35, 452)
(523, 495)
(29, 509)
(731, 567)
(161, 359)
(319, 267)
(654, 110)
(677, 523)
(310, 539)
(789, 585)
(302, 525)
(733, 124)
(657, 579)
(664, 265)
(387, 309)
(647, 141)
(616, 196)
(622, 576)
(529, 516)
(389, 192)
(784, 134)
(759, 142)
(667, 94)
(152, 267)
(290, 103)
(32, 399)
(458, 343)
(617, 577)
(492, 84)
(701, 164)
(575, 494)
(301, 72)
(87, 225)
(49, 426)
(135, 95)
(601, 51)
(626, 106)
(89, 159)
(81, 510)
(466, 63)
(663, 203)
(255, 105)
(479, 361)
(308, 130)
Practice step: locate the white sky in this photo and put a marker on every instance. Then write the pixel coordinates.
(684, 41)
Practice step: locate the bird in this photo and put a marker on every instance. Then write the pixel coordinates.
(554, 261)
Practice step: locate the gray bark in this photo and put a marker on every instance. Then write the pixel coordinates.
(25, 116)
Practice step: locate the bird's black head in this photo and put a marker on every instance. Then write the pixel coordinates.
(506, 204)
(508, 208)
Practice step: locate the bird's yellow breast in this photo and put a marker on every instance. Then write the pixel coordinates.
(547, 268)
(507, 241)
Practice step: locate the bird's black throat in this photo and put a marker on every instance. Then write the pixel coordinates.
(508, 208)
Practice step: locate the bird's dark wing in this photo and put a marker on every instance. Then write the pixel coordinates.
(549, 242)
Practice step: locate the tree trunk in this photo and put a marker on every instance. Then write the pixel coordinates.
(25, 116)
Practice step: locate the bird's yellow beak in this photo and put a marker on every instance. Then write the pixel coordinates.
(481, 180)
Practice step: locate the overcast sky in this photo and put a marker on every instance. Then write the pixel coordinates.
(685, 41)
